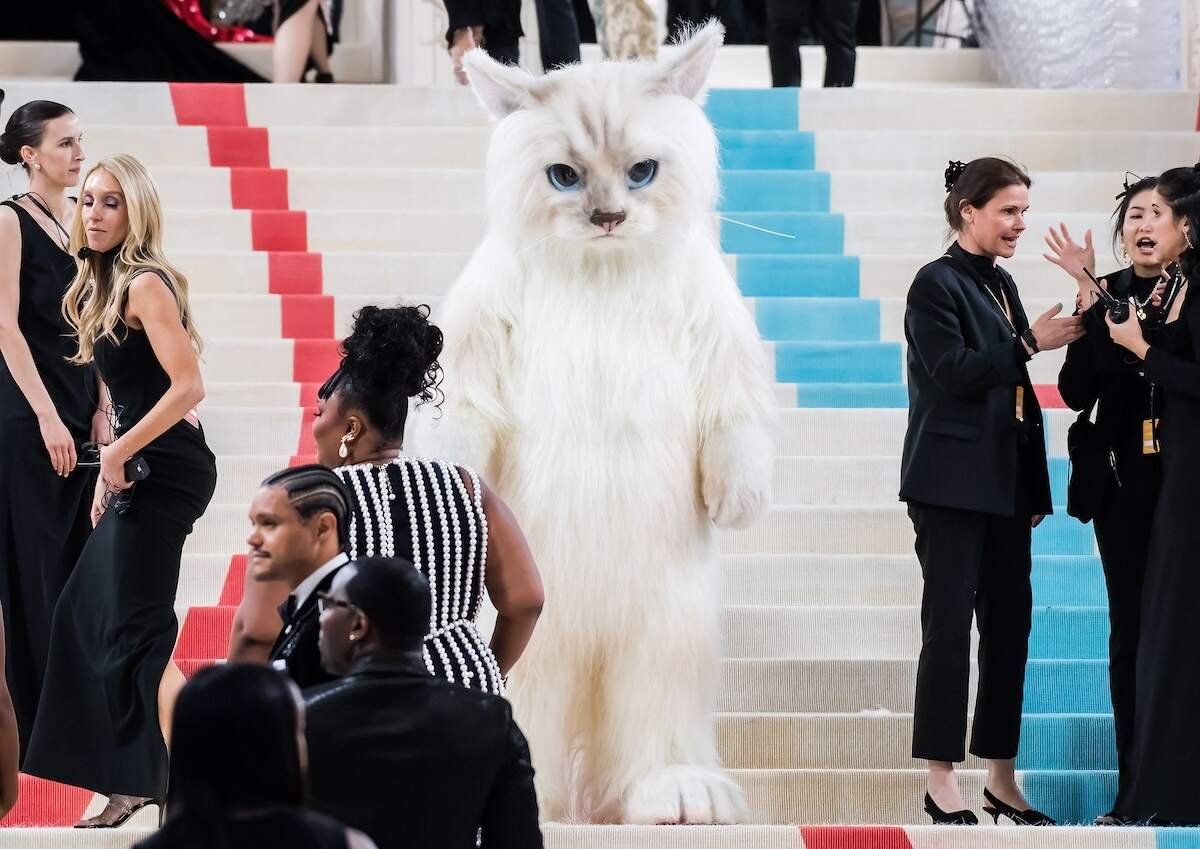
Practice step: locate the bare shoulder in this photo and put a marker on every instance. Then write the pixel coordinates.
(10, 224)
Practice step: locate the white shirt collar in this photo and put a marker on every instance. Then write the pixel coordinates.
(309, 584)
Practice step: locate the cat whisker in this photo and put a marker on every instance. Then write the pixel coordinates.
(754, 227)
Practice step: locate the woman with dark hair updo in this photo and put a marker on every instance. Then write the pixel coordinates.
(972, 406)
(239, 768)
(439, 516)
(1117, 486)
(1160, 786)
(49, 407)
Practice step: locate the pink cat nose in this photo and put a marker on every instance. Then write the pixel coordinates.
(607, 220)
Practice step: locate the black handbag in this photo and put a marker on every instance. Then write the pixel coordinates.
(1092, 469)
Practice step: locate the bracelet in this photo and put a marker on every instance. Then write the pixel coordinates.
(1029, 339)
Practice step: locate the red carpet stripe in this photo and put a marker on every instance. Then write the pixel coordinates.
(239, 147)
(1048, 397)
(209, 104)
(46, 803)
(278, 230)
(205, 633)
(231, 591)
(855, 837)
(307, 316)
(295, 273)
(305, 445)
(313, 360)
(258, 188)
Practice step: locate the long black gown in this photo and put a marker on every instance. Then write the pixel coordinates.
(1166, 742)
(115, 626)
(43, 517)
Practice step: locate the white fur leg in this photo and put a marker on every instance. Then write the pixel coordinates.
(684, 794)
(735, 468)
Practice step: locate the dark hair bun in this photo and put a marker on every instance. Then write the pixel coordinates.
(393, 351)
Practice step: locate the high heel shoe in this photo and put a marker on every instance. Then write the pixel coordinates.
(940, 817)
(123, 812)
(997, 809)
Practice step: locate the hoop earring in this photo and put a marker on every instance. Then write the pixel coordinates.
(343, 451)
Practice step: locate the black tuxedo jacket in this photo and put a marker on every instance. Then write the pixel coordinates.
(413, 760)
(963, 447)
(296, 646)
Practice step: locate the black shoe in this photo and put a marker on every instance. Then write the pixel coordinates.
(323, 77)
(940, 817)
(117, 813)
(998, 809)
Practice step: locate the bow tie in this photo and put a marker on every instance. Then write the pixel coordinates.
(288, 609)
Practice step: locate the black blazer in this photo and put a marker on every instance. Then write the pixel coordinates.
(963, 447)
(296, 645)
(413, 760)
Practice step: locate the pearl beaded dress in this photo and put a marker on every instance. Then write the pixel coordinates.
(421, 510)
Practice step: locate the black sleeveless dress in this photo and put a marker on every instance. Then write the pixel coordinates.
(115, 627)
(1166, 737)
(43, 517)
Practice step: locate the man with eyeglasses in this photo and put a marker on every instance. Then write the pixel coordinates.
(299, 523)
(404, 756)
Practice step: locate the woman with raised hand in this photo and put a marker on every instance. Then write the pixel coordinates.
(49, 407)
(110, 684)
(437, 515)
(1119, 491)
(972, 406)
(1159, 787)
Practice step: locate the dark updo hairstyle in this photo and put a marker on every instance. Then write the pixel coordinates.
(1180, 188)
(977, 182)
(390, 356)
(1139, 185)
(234, 746)
(27, 126)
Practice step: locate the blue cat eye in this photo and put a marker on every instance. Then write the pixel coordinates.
(641, 174)
(564, 178)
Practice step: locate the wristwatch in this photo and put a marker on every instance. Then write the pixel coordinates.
(1029, 339)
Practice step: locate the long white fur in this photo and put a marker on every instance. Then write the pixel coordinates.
(616, 394)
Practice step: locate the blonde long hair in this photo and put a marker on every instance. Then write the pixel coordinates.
(95, 300)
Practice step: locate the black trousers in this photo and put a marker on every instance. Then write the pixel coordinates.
(558, 31)
(834, 22)
(973, 563)
(1123, 537)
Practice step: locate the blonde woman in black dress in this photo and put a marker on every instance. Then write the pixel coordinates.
(48, 406)
(110, 683)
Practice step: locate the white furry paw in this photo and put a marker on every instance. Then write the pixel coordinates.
(736, 476)
(679, 795)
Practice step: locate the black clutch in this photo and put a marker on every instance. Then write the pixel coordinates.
(1092, 468)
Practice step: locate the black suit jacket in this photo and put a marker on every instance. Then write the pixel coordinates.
(963, 447)
(413, 760)
(296, 645)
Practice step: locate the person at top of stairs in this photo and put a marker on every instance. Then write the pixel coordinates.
(103, 722)
(1160, 786)
(239, 770)
(972, 406)
(1124, 482)
(299, 522)
(404, 755)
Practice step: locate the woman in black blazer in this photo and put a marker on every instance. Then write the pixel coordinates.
(1098, 373)
(972, 409)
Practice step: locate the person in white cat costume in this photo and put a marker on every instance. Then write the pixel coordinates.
(603, 370)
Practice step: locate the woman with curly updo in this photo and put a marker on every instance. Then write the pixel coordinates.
(441, 517)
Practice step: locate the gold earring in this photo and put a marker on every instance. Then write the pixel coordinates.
(343, 451)
(1188, 239)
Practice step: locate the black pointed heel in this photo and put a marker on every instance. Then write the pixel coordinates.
(940, 817)
(996, 809)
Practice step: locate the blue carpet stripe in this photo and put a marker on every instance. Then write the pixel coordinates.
(818, 319)
(767, 149)
(837, 362)
(754, 109)
(790, 233)
(1070, 796)
(775, 191)
(797, 275)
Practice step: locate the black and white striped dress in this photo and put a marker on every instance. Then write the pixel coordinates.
(421, 510)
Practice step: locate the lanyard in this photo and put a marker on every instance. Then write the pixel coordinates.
(978, 280)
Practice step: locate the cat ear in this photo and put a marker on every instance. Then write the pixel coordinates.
(502, 89)
(685, 72)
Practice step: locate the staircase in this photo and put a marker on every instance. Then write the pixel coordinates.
(289, 207)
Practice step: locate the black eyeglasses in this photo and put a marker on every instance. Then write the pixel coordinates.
(326, 601)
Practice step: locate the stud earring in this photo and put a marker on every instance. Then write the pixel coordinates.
(352, 638)
(343, 451)
(1188, 239)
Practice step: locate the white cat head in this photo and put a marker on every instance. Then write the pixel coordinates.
(601, 159)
